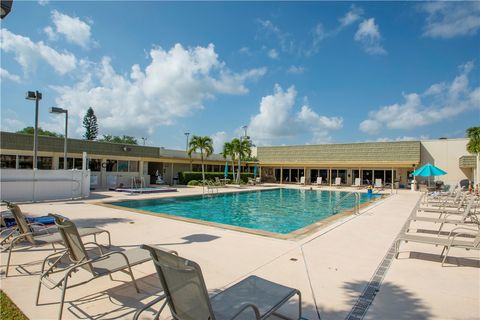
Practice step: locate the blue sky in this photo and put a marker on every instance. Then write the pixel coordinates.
(294, 73)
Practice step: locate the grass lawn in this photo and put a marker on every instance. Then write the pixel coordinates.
(8, 309)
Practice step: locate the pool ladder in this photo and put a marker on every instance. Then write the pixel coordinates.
(356, 208)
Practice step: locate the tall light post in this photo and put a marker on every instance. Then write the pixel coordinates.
(58, 111)
(37, 96)
(186, 134)
(144, 139)
(186, 149)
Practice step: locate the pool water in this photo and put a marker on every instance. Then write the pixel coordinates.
(278, 210)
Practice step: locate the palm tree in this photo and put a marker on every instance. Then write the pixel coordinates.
(473, 146)
(205, 145)
(228, 151)
(242, 148)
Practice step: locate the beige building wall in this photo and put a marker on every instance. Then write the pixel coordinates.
(445, 154)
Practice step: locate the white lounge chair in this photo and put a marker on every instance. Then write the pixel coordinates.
(378, 183)
(451, 242)
(338, 182)
(302, 180)
(319, 181)
(358, 183)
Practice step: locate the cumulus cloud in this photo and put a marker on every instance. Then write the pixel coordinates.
(277, 119)
(319, 125)
(4, 74)
(28, 53)
(174, 84)
(368, 34)
(439, 102)
(43, 2)
(219, 138)
(72, 28)
(451, 19)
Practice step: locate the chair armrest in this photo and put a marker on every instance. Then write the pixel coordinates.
(247, 306)
(96, 245)
(469, 231)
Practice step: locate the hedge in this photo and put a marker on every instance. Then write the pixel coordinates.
(185, 177)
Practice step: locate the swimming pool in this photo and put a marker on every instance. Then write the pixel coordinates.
(277, 211)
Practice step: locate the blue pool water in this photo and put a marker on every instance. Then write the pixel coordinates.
(278, 210)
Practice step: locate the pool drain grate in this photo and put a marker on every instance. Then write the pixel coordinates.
(368, 295)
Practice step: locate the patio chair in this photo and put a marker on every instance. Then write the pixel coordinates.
(378, 184)
(358, 183)
(446, 210)
(302, 180)
(338, 182)
(187, 295)
(35, 238)
(448, 243)
(251, 181)
(318, 182)
(468, 217)
(78, 258)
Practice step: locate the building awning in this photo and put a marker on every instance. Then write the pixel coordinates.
(465, 162)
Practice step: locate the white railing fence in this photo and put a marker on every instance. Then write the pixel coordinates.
(41, 185)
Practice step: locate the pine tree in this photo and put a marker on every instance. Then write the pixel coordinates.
(90, 125)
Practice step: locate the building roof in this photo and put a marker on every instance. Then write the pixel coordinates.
(467, 162)
(20, 141)
(407, 152)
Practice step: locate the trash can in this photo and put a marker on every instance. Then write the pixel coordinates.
(414, 185)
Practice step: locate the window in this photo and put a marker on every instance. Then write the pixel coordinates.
(8, 161)
(122, 166)
(111, 165)
(78, 163)
(25, 162)
(44, 163)
(133, 166)
(95, 165)
(69, 163)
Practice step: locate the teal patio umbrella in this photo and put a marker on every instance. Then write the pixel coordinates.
(225, 172)
(255, 171)
(428, 170)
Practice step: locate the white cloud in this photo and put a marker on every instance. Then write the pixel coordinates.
(175, 84)
(439, 102)
(296, 70)
(72, 28)
(219, 138)
(451, 19)
(319, 125)
(28, 53)
(277, 119)
(285, 39)
(352, 16)
(12, 125)
(43, 2)
(4, 74)
(273, 54)
(368, 35)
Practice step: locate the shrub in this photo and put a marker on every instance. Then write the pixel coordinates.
(193, 183)
(185, 177)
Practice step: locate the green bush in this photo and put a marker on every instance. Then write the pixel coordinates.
(185, 177)
(193, 183)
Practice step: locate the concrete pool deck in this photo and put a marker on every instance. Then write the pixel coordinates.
(331, 267)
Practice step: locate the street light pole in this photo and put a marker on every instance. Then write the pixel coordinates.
(186, 149)
(60, 110)
(37, 96)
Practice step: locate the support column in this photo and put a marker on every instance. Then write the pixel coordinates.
(281, 175)
(330, 176)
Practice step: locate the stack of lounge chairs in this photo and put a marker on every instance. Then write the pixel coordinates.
(451, 222)
(184, 288)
